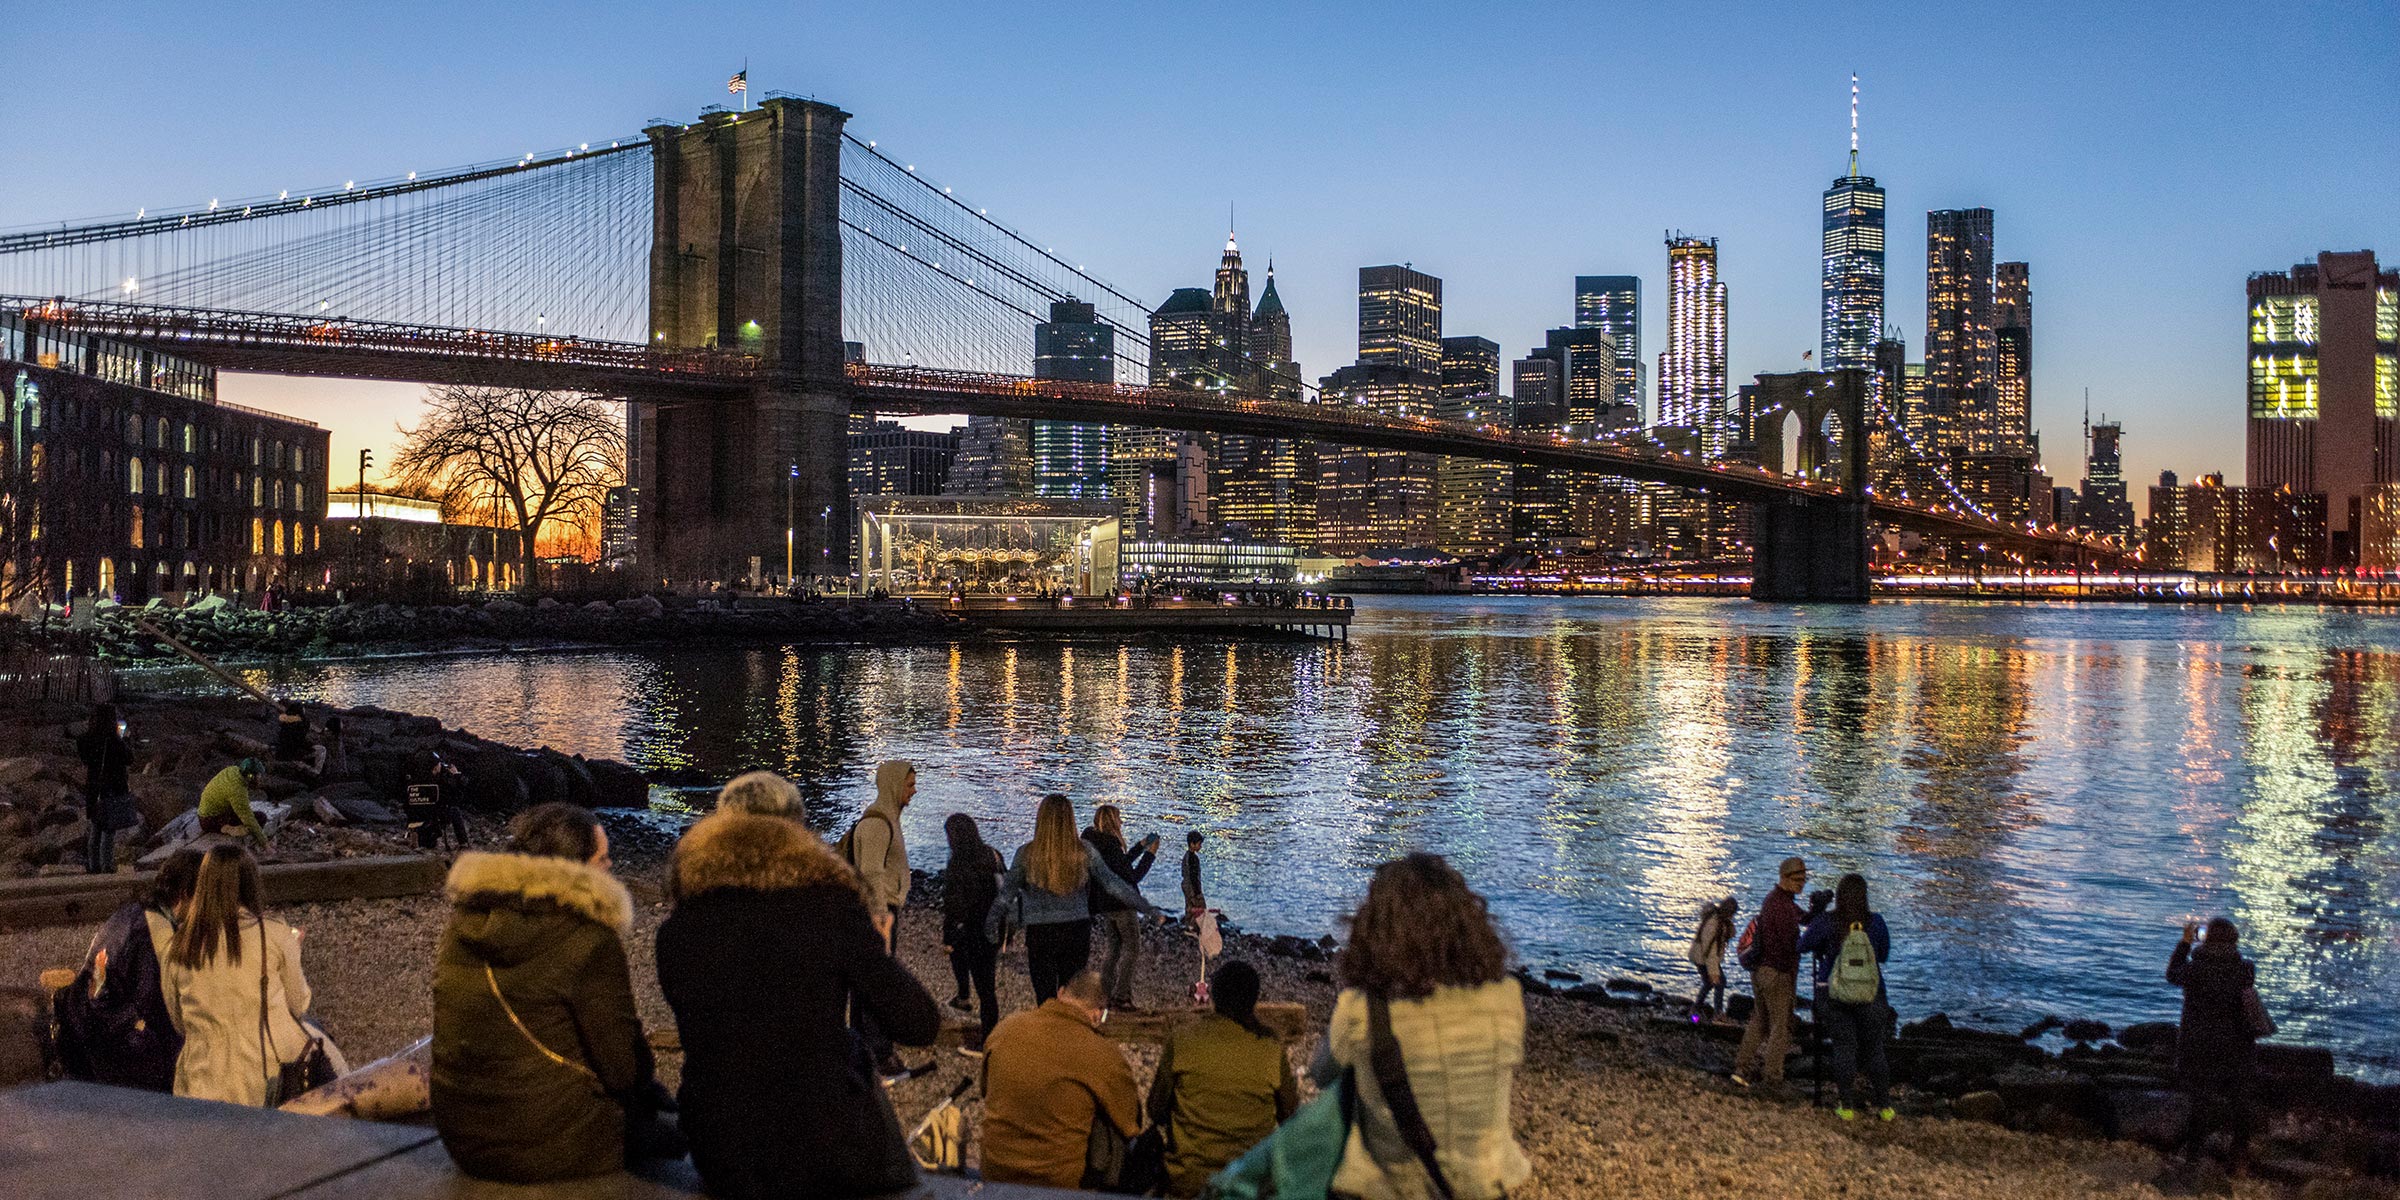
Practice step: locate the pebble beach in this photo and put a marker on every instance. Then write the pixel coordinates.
(1607, 1105)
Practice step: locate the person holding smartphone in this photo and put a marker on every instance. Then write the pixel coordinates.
(1121, 925)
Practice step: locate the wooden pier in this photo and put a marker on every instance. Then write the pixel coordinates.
(1302, 615)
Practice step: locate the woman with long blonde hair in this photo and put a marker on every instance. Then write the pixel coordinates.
(225, 959)
(1047, 894)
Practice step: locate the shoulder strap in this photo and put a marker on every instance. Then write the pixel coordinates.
(547, 1052)
(267, 1049)
(1391, 1075)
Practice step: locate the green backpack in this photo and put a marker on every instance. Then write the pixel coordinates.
(1298, 1160)
(1857, 978)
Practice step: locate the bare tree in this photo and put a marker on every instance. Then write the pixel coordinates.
(537, 457)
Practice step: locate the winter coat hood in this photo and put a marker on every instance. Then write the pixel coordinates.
(509, 905)
(729, 849)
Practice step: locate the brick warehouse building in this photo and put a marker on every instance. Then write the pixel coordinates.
(145, 484)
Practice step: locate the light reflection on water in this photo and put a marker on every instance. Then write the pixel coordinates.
(2038, 794)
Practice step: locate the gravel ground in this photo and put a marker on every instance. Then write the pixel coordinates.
(1605, 1106)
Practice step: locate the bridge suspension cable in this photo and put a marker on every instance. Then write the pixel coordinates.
(554, 245)
(929, 278)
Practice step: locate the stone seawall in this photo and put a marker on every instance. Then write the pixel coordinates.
(347, 630)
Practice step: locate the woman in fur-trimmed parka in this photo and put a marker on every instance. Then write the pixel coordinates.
(770, 940)
(537, 1049)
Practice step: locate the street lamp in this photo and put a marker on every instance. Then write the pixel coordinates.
(791, 481)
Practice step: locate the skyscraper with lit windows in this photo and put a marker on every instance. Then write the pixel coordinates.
(1070, 459)
(1399, 318)
(1961, 402)
(2012, 357)
(1614, 303)
(2325, 394)
(1852, 283)
(1691, 370)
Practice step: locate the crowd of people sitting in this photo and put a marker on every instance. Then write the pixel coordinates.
(778, 962)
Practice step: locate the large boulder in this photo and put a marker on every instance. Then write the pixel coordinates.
(17, 772)
(493, 784)
(642, 606)
(2149, 1037)
(358, 803)
(160, 797)
(616, 785)
(2155, 1116)
(546, 777)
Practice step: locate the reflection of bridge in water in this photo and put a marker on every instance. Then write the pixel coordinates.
(710, 273)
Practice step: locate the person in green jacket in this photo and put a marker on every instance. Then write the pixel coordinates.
(538, 1052)
(225, 802)
(1224, 1083)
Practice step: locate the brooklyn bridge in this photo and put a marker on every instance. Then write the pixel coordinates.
(722, 276)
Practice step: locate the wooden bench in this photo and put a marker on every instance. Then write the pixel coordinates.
(83, 1141)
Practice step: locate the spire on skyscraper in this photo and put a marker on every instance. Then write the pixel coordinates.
(1268, 300)
(1854, 124)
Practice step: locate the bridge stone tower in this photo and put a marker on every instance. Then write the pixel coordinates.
(746, 254)
(1813, 548)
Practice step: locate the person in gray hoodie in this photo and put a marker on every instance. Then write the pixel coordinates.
(877, 847)
(878, 850)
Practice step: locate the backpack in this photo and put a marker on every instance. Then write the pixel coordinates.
(121, 1034)
(1856, 976)
(848, 846)
(1746, 951)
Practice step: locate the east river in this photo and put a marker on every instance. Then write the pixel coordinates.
(2038, 795)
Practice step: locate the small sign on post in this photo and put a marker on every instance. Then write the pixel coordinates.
(422, 810)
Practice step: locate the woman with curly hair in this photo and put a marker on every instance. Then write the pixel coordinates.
(1425, 964)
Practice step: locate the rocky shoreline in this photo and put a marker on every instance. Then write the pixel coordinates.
(179, 743)
(1611, 1100)
(1621, 1094)
(233, 634)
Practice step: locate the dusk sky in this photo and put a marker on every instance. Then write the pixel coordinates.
(2143, 163)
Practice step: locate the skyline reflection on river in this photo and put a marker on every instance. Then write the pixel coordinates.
(2038, 795)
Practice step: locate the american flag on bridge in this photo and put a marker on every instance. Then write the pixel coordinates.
(740, 81)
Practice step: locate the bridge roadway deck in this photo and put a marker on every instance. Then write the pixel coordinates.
(344, 348)
(83, 1141)
(927, 391)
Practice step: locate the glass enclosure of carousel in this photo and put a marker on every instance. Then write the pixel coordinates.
(999, 545)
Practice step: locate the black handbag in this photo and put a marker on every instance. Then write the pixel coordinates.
(1120, 1167)
(1391, 1076)
(119, 812)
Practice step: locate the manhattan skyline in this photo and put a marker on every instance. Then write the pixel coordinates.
(2126, 163)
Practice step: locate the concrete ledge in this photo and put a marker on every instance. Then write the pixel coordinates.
(1286, 1019)
(86, 899)
(83, 1141)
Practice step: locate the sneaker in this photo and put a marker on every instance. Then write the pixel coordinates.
(892, 1070)
(970, 1051)
(1846, 1113)
(1885, 1114)
(962, 1004)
